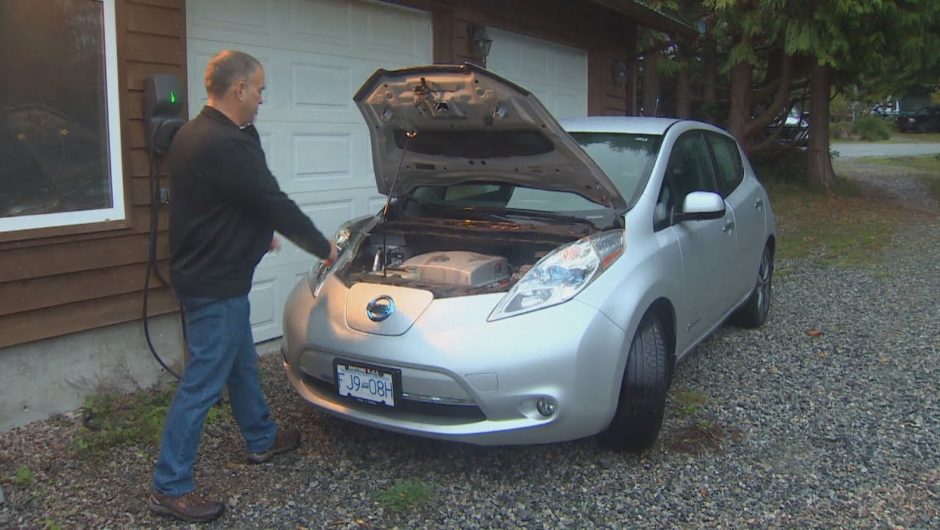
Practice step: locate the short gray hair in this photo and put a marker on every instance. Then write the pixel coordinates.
(226, 68)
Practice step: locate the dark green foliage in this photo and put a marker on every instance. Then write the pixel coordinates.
(871, 128)
(111, 418)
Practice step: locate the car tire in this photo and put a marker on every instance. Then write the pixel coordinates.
(754, 312)
(642, 401)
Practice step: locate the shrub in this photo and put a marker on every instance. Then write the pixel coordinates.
(872, 128)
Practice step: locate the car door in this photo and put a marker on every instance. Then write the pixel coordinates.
(705, 245)
(745, 200)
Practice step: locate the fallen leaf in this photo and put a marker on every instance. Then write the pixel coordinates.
(822, 354)
(814, 333)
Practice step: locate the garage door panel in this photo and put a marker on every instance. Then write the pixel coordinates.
(532, 63)
(556, 74)
(226, 16)
(305, 158)
(395, 32)
(321, 22)
(376, 203)
(321, 161)
(317, 86)
(315, 53)
(265, 310)
(568, 104)
(567, 62)
(381, 33)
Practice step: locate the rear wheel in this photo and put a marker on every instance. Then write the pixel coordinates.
(754, 312)
(642, 401)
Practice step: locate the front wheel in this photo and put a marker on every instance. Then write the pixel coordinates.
(642, 402)
(754, 312)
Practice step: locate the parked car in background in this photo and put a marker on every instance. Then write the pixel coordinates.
(791, 128)
(926, 119)
(888, 111)
(528, 281)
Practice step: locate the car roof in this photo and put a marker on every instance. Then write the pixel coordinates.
(619, 124)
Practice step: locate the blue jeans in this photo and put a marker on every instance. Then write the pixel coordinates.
(221, 352)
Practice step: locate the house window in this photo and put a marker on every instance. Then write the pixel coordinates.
(60, 148)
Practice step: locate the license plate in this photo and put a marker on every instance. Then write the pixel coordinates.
(367, 383)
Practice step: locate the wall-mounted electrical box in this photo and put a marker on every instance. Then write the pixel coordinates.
(163, 103)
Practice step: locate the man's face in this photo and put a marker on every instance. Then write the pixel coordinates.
(250, 96)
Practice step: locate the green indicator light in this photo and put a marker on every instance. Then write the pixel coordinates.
(172, 97)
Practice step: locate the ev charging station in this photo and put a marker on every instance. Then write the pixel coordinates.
(163, 104)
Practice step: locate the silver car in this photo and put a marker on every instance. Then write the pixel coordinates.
(527, 281)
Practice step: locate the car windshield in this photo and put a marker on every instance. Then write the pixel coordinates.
(626, 159)
(498, 195)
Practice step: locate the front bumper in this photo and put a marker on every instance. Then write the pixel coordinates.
(463, 378)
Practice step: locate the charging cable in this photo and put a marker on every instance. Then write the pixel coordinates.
(155, 200)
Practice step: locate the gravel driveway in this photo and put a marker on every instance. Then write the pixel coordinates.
(827, 417)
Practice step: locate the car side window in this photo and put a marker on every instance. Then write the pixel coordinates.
(689, 169)
(728, 162)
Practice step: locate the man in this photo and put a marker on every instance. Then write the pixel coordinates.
(225, 207)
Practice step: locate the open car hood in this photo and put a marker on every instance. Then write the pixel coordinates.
(446, 124)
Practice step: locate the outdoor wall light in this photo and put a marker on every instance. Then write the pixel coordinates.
(619, 73)
(480, 41)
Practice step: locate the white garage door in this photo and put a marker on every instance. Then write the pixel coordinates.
(316, 54)
(556, 74)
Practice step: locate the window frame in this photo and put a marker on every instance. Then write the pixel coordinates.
(112, 107)
(724, 188)
(700, 135)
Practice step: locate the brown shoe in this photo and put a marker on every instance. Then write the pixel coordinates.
(189, 506)
(284, 441)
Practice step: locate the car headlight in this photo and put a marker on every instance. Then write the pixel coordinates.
(561, 274)
(321, 269)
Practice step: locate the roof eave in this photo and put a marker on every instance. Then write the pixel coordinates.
(651, 18)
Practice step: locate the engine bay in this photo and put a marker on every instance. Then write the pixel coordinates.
(448, 261)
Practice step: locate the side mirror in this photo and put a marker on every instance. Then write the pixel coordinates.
(701, 206)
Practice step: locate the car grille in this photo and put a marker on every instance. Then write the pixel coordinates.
(446, 410)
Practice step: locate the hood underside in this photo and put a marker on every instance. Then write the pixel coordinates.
(446, 124)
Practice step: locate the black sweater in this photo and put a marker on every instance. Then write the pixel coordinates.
(225, 205)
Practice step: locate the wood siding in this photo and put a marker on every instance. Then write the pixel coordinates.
(63, 280)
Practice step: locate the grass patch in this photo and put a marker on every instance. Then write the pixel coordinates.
(928, 165)
(916, 138)
(897, 137)
(23, 477)
(844, 227)
(839, 229)
(111, 418)
(404, 495)
(689, 402)
(702, 437)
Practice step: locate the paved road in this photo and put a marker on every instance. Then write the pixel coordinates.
(859, 150)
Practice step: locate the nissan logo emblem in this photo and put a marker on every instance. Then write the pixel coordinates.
(381, 308)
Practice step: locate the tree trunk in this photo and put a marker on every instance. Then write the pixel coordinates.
(684, 93)
(711, 71)
(819, 168)
(651, 90)
(739, 114)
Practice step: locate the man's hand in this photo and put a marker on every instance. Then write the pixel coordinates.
(334, 253)
(275, 244)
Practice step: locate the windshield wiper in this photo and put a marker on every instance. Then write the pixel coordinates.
(516, 213)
